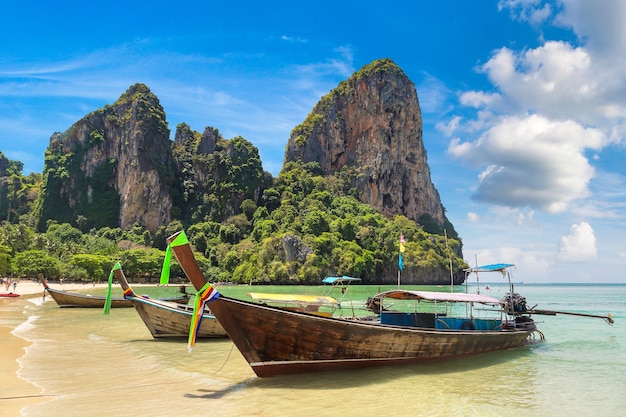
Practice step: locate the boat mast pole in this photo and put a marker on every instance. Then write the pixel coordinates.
(477, 283)
(445, 235)
(511, 289)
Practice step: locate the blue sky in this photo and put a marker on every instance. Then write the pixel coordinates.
(523, 101)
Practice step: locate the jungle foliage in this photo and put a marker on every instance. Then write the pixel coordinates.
(304, 227)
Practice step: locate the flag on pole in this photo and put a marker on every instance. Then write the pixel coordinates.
(400, 260)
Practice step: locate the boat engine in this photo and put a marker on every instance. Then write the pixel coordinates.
(514, 304)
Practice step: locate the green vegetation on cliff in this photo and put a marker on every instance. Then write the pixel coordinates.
(17, 192)
(305, 227)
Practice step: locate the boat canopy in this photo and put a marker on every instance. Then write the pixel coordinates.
(490, 268)
(319, 300)
(438, 296)
(339, 280)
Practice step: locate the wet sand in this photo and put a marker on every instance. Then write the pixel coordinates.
(16, 393)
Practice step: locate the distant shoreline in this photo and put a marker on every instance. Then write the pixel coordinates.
(29, 287)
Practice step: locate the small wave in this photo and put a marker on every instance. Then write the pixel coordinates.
(25, 327)
(39, 300)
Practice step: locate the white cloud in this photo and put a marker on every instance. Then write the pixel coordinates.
(528, 262)
(472, 217)
(527, 218)
(559, 81)
(579, 245)
(599, 23)
(531, 11)
(449, 128)
(531, 162)
(478, 99)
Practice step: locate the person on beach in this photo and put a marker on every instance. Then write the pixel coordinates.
(14, 285)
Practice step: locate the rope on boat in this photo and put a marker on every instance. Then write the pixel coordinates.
(232, 346)
(541, 335)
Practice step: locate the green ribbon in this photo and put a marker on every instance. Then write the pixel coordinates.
(180, 240)
(107, 302)
(165, 271)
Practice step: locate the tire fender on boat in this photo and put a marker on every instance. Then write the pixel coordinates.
(468, 325)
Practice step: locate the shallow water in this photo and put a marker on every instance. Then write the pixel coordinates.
(85, 363)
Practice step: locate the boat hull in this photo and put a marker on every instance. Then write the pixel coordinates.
(66, 299)
(166, 319)
(275, 341)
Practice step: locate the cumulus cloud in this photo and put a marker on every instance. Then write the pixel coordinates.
(599, 24)
(478, 99)
(531, 162)
(562, 80)
(579, 245)
(559, 81)
(551, 107)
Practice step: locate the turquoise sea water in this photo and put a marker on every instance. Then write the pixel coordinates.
(87, 364)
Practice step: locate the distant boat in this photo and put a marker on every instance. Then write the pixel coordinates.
(166, 319)
(277, 341)
(69, 299)
(9, 294)
(313, 304)
(321, 305)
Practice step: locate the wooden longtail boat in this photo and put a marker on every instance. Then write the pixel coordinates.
(166, 319)
(69, 299)
(278, 341)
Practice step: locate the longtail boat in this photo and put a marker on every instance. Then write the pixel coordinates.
(69, 299)
(277, 341)
(167, 319)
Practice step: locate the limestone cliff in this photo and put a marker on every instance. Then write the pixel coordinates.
(216, 175)
(372, 124)
(112, 167)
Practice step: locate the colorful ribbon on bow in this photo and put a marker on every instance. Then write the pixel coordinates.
(107, 301)
(207, 293)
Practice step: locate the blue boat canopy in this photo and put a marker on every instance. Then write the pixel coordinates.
(338, 280)
(490, 268)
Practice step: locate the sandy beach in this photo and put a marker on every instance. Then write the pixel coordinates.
(16, 393)
(29, 287)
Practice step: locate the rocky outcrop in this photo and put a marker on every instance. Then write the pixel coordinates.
(372, 124)
(113, 167)
(295, 249)
(216, 175)
(117, 166)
